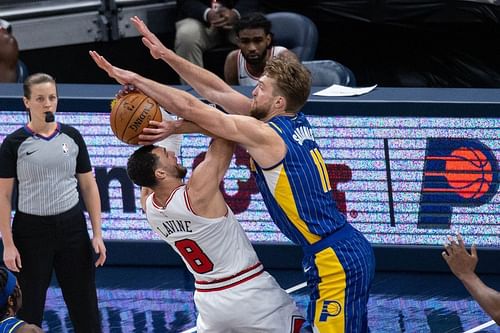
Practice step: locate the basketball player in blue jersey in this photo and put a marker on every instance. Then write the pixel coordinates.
(291, 174)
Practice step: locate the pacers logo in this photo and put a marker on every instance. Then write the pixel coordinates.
(330, 309)
(457, 172)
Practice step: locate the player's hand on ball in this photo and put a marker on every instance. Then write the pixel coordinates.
(127, 89)
(158, 131)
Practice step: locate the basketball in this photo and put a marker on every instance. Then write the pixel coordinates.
(130, 114)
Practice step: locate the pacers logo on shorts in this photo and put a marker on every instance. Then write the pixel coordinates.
(457, 172)
(330, 309)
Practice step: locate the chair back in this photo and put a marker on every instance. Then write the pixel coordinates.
(328, 72)
(296, 32)
(22, 71)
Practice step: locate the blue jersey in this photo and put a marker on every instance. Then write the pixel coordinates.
(297, 190)
(10, 324)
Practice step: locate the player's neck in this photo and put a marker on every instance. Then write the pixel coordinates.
(162, 193)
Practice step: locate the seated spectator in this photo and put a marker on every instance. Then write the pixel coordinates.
(9, 53)
(10, 303)
(463, 265)
(255, 42)
(203, 25)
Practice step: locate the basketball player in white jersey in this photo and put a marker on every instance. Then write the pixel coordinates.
(245, 65)
(233, 293)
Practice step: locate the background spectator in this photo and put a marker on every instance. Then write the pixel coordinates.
(203, 25)
(9, 53)
(255, 46)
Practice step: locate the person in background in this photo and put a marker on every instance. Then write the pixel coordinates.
(10, 303)
(233, 292)
(255, 42)
(338, 263)
(205, 24)
(463, 265)
(9, 53)
(47, 160)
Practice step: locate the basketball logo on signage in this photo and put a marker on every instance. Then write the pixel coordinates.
(457, 172)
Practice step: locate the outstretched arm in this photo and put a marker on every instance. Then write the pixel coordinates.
(206, 83)
(261, 141)
(463, 264)
(203, 187)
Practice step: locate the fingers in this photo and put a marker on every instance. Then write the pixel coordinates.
(11, 265)
(473, 250)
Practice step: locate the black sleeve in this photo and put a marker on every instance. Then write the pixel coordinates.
(8, 154)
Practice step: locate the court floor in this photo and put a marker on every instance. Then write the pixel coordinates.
(159, 299)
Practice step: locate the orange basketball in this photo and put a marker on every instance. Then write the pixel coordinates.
(130, 114)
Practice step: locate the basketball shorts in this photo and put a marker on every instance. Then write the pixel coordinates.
(256, 305)
(339, 271)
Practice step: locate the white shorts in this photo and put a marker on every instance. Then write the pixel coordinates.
(257, 305)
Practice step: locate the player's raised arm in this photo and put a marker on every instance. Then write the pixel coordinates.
(203, 186)
(253, 134)
(206, 83)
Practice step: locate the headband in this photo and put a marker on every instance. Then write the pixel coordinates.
(8, 289)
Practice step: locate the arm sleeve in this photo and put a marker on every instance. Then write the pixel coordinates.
(8, 156)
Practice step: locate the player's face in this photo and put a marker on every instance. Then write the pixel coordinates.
(254, 44)
(168, 161)
(43, 99)
(263, 98)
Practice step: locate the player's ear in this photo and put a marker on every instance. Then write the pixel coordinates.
(160, 173)
(280, 102)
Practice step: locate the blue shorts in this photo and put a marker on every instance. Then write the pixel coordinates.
(339, 271)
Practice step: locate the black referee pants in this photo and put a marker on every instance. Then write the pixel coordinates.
(59, 243)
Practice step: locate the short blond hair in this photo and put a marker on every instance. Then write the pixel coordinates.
(293, 81)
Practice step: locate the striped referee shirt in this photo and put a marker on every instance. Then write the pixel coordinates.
(45, 168)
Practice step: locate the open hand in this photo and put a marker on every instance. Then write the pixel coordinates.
(122, 76)
(149, 39)
(456, 256)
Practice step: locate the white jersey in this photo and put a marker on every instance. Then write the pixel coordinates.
(244, 77)
(212, 248)
(233, 292)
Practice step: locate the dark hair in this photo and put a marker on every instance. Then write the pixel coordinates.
(293, 81)
(253, 21)
(36, 78)
(141, 166)
(4, 279)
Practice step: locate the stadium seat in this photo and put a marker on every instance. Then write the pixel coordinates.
(328, 72)
(22, 71)
(295, 32)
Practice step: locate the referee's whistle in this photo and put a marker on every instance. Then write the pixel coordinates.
(49, 117)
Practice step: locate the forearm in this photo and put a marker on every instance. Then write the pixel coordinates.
(206, 83)
(5, 217)
(92, 202)
(488, 298)
(175, 100)
(188, 127)
(223, 151)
